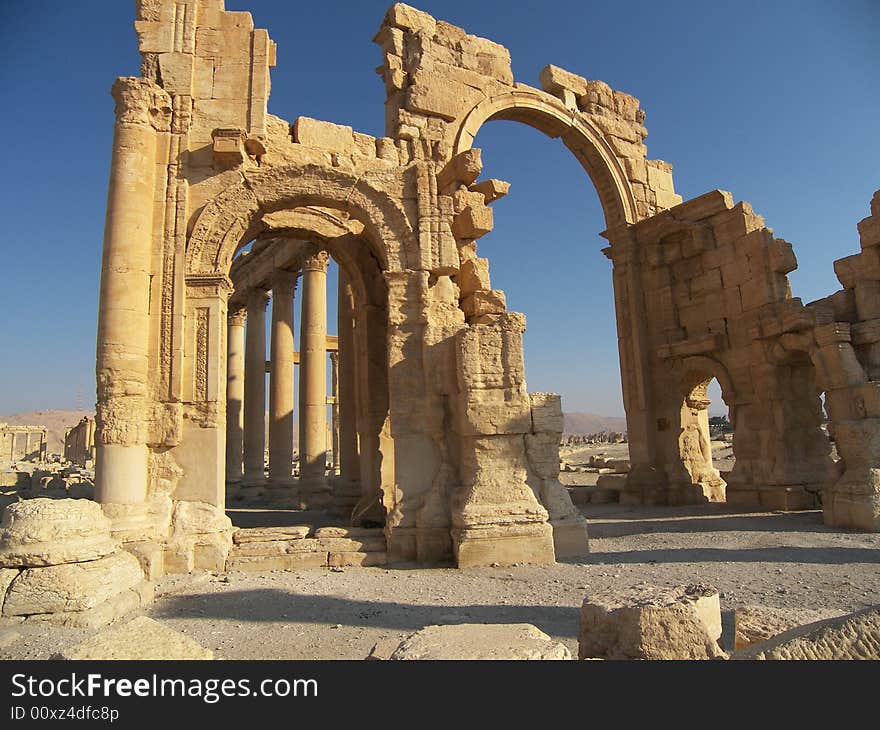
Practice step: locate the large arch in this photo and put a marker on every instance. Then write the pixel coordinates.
(550, 116)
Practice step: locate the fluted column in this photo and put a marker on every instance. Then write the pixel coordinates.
(255, 387)
(122, 367)
(349, 466)
(334, 410)
(313, 381)
(281, 378)
(235, 393)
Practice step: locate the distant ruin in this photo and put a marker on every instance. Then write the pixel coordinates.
(22, 443)
(437, 438)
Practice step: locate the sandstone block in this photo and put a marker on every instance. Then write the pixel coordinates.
(356, 558)
(617, 482)
(7, 575)
(555, 80)
(473, 222)
(481, 303)
(295, 561)
(481, 641)
(542, 450)
(546, 413)
(464, 169)
(855, 636)
(151, 557)
(265, 534)
(39, 532)
(491, 189)
(101, 615)
(474, 276)
(754, 624)
(652, 623)
(71, 586)
(141, 638)
(323, 135)
(497, 411)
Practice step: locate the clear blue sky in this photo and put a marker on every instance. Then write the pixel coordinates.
(778, 102)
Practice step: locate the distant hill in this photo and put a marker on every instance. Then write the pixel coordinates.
(56, 422)
(591, 423)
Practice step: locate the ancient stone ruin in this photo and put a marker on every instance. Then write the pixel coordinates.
(22, 443)
(79, 443)
(434, 435)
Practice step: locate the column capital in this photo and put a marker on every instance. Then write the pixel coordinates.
(334, 356)
(140, 102)
(316, 261)
(237, 315)
(257, 298)
(284, 282)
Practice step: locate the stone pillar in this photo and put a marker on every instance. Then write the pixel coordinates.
(143, 113)
(235, 394)
(255, 387)
(349, 467)
(334, 409)
(281, 378)
(313, 382)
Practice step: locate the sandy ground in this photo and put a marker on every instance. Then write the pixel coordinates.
(772, 559)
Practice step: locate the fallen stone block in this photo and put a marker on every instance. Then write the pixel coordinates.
(71, 586)
(480, 641)
(104, 613)
(43, 532)
(650, 622)
(854, 636)
(141, 638)
(616, 482)
(753, 624)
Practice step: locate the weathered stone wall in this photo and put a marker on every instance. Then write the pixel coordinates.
(714, 278)
(79, 443)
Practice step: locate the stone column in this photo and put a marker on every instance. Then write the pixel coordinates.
(281, 378)
(334, 409)
(347, 490)
(235, 393)
(313, 382)
(255, 387)
(143, 114)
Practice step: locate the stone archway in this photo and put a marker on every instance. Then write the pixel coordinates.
(225, 224)
(234, 217)
(585, 141)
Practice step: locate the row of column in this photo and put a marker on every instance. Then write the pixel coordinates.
(246, 396)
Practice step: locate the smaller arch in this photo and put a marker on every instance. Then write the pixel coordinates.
(697, 369)
(548, 115)
(234, 216)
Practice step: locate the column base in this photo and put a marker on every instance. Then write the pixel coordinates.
(648, 486)
(783, 498)
(428, 545)
(501, 545)
(851, 510)
(570, 537)
(138, 522)
(314, 493)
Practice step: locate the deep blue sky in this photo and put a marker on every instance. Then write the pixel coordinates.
(777, 102)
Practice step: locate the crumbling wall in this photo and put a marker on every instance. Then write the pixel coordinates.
(716, 286)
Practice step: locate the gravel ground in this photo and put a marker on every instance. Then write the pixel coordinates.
(773, 559)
